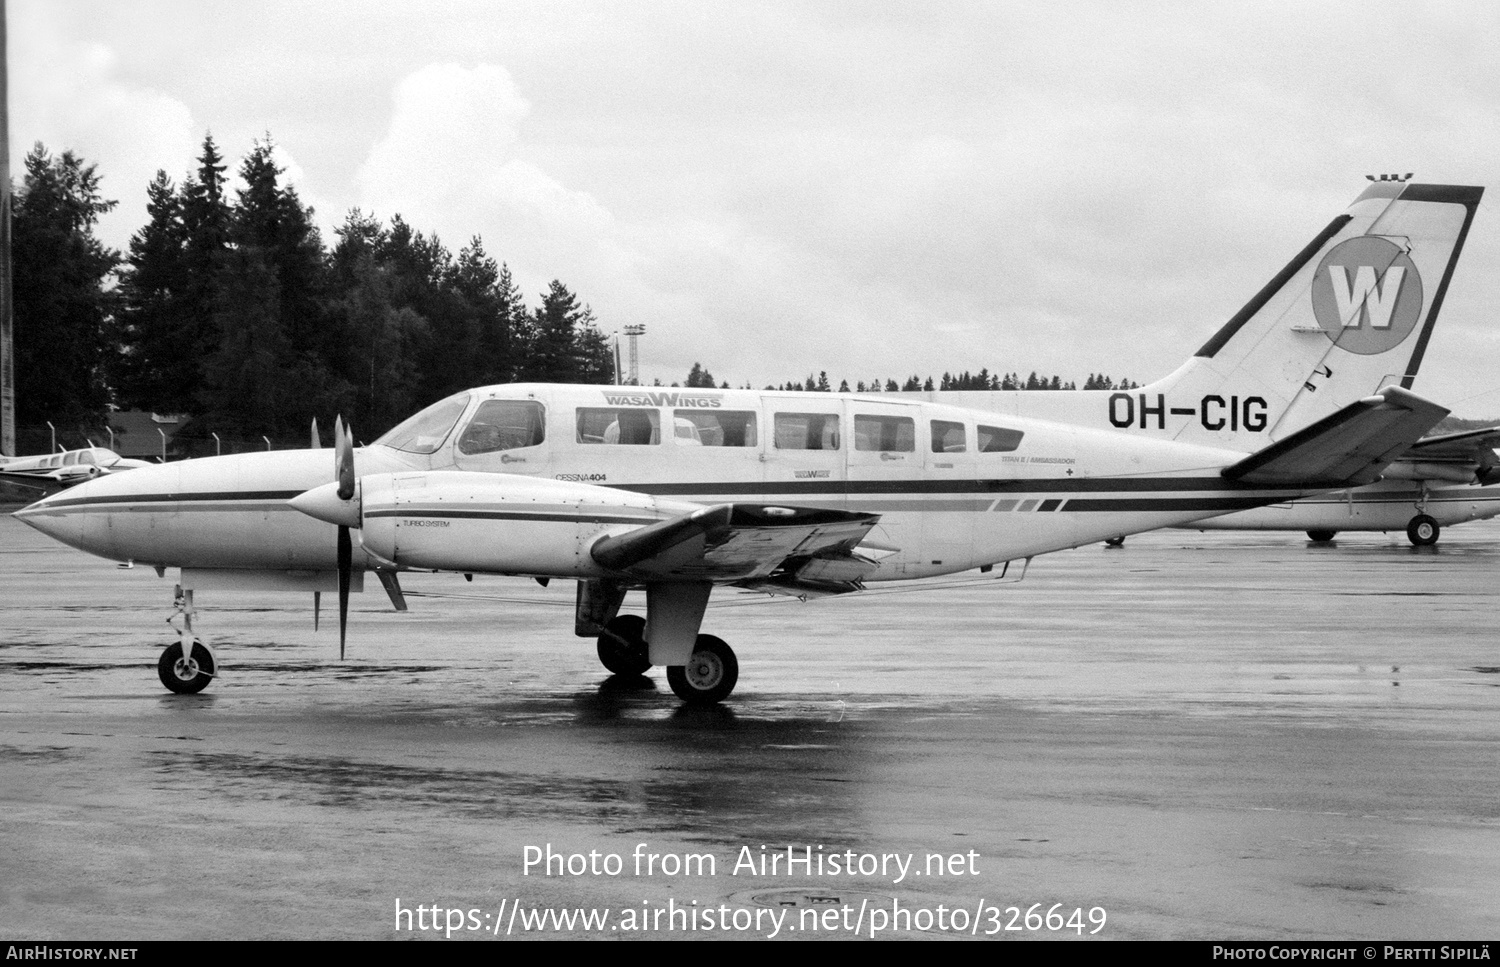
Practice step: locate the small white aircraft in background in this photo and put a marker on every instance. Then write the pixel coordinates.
(1452, 478)
(676, 491)
(52, 472)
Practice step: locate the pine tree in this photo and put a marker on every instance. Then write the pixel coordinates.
(61, 309)
(157, 368)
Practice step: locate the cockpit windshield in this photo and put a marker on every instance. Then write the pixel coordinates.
(426, 431)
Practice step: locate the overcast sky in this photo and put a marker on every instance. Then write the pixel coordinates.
(775, 188)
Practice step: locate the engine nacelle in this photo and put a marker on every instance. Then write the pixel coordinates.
(498, 523)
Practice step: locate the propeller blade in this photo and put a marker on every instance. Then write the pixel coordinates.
(317, 441)
(346, 552)
(344, 463)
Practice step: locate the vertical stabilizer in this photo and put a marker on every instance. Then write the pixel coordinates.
(1352, 313)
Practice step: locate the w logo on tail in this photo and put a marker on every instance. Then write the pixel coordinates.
(1367, 295)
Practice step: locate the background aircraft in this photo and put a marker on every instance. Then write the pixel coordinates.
(1442, 480)
(809, 493)
(56, 471)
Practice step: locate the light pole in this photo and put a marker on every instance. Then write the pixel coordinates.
(635, 360)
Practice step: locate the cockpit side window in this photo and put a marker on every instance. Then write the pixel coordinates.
(503, 425)
(619, 427)
(426, 431)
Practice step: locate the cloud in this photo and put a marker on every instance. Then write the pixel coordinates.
(69, 95)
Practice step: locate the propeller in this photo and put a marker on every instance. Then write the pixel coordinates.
(343, 469)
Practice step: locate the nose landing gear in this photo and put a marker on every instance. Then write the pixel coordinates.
(187, 665)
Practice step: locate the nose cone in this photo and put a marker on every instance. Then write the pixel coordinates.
(324, 503)
(65, 517)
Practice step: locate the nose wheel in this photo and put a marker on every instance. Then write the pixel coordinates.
(186, 666)
(709, 676)
(185, 675)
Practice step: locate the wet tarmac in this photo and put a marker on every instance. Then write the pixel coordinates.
(1196, 736)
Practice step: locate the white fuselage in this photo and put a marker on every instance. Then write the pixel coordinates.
(955, 488)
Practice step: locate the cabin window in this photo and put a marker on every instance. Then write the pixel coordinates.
(714, 428)
(503, 425)
(994, 439)
(70, 459)
(947, 437)
(897, 434)
(807, 431)
(618, 426)
(426, 431)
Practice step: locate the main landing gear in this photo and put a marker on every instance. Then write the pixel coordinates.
(622, 646)
(1423, 531)
(708, 677)
(1321, 537)
(187, 665)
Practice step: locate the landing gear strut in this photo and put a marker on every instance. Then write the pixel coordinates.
(709, 676)
(187, 665)
(622, 646)
(1423, 530)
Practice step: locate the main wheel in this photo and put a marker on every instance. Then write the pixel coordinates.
(1321, 537)
(622, 647)
(185, 676)
(1114, 542)
(709, 675)
(1422, 530)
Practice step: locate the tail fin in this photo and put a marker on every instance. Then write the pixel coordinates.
(1352, 313)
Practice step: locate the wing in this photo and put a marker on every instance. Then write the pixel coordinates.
(1467, 445)
(1349, 448)
(798, 549)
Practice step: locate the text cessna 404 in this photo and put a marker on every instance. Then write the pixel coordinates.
(675, 492)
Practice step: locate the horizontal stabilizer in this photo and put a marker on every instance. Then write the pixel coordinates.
(732, 542)
(1346, 449)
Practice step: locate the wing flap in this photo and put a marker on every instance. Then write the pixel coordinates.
(1348, 448)
(734, 542)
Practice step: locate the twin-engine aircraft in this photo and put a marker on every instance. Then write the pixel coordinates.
(49, 473)
(675, 492)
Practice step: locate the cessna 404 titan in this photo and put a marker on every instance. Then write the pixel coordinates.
(674, 492)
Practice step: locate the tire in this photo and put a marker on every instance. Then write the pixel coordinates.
(1114, 542)
(709, 676)
(1423, 531)
(185, 678)
(1321, 537)
(622, 647)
